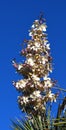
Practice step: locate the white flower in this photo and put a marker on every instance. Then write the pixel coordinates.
(32, 86)
(35, 94)
(35, 77)
(19, 67)
(51, 96)
(49, 67)
(36, 20)
(45, 41)
(25, 99)
(48, 83)
(30, 61)
(46, 78)
(30, 34)
(37, 44)
(17, 85)
(42, 27)
(21, 84)
(50, 70)
(28, 45)
(33, 26)
(33, 47)
(44, 60)
(48, 46)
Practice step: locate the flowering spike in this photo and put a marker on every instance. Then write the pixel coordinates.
(38, 64)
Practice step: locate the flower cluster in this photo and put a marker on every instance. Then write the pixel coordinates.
(35, 92)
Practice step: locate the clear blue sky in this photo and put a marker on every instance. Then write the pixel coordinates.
(16, 17)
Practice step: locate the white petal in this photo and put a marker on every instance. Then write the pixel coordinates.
(48, 46)
(42, 27)
(17, 85)
(30, 61)
(36, 20)
(19, 67)
(30, 34)
(33, 26)
(37, 44)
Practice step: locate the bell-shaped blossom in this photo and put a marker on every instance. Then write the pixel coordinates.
(20, 84)
(51, 96)
(35, 94)
(30, 61)
(42, 27)
(34, 77)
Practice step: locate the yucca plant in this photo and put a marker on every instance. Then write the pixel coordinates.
(36, 85)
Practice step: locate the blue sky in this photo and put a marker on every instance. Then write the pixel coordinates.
(16, 17)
